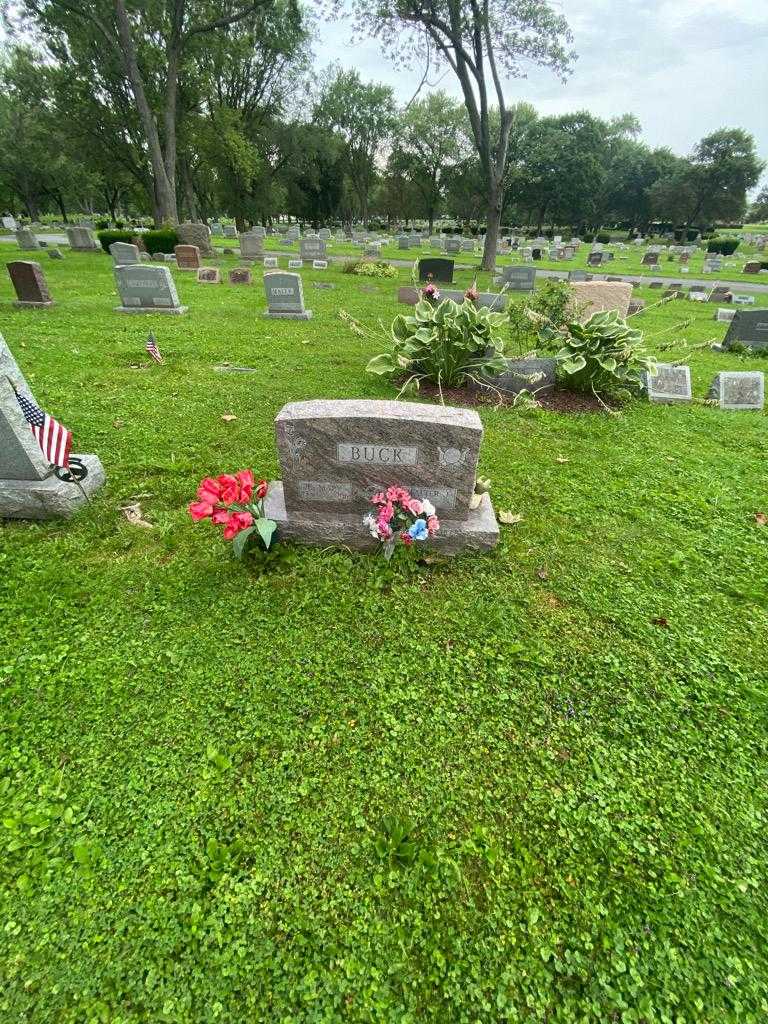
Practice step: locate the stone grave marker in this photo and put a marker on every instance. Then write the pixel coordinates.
(26, 239)
(436, 269)
(517, 279)
(739, 389)
(187, 257)
(147, 289)
(208, 275)
(81, 240)
(452, 246)
(650, 259)
(295, 264)
(251, 246)
(9, 223)
(725, 316)
(403, 242)
(312, 249)
(751, 267)
(230, 231)
(55, 254)
(240, 275)
(671, 383)
(215, 227)
(577, 275)
(319, 264)
(29, 487)
(325, 234)
(124, 254)
(750, 327)
(743, 300)
(598, 296)
(270, 262)
(720, 294)
(285, 297)
(29, 284)
(594, 259)
(335, 455)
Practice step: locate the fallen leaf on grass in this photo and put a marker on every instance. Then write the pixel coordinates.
(542, 573)
(561, 459)
(135, 517)
(509, 518)
(660, 621)
(761, 519)
(118, 423)
(228, 417)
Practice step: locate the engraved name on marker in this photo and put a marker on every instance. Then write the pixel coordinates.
(324, 490)
(441, 497)
(377, 455)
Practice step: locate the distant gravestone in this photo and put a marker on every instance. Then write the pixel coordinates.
(147, 289)
(29, 284)
(81, 240)
(187, 257)
(743, 300)
(670, 383)
(436, 269)
(285, 297)
(26, 239)
(29, 488)
(751, 267)
(325, 234)
(750, 327)
(270, 262)
(55, 254)
(208, 275)
(215, 227)
(312, 249)
(598, 296)
(124, 254)
(319, 264)
(534, 375)
(594, 259)
(230, 231)
(650, 259)
(403, 242)
(9, 223)
(335, 455)
(195, 234)
(739, 389)
(725, 315)
(295, 264)
(518, 279)
(251, 246)
(577, 275)
(240, 275)
(452, 245)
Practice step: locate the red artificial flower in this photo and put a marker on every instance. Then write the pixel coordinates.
(209, 490)
(220, 516)
(245, 479)
(261, 490)
(472, 293)
(230, 488)
(237, 521)
(200, 510)
(406, 538)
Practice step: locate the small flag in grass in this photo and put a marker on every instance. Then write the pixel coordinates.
(55, 440)
(153, 350)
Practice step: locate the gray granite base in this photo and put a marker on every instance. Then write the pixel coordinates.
(279, 315)
(480, 532)
(50, 498)
(33, 305)
(172, 310)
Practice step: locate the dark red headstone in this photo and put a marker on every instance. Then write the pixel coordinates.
(29, 283)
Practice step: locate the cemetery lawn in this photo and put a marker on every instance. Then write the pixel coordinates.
(198, 758)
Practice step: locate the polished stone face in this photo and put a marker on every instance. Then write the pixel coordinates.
(28, 281)
(739, 389)
(335, 455)
(750, 327)
(670, 383)
(187, 257)
(436, 269)
(145, 287)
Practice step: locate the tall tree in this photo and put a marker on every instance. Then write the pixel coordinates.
(758, 211)
(364, 116)
(481, 43)
(151, 39)
(429, 142)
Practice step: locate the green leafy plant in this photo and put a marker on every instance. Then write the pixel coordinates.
(604, 354)
(724, 246)
(548, 304)
(394, 842)
(370, 268)
(443, 343)
(107, 237)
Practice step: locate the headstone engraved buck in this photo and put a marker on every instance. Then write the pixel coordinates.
(335, 455)
(147, 289)
(30, 488)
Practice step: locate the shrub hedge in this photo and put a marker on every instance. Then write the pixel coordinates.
(725, 246)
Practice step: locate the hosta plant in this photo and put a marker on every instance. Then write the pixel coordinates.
(444, 343)
(602, 355)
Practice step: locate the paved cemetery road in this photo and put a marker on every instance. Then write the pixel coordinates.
(54, 239)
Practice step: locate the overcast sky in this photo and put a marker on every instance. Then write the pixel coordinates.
(684, 67)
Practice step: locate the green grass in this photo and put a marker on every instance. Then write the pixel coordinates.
(197, 756)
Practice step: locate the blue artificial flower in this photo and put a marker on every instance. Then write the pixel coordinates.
(418, 531)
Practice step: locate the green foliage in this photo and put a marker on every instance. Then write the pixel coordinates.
(107, 237)
(602, 355)
(547, 305)
(162, 240)
(725, 246)
(443, 344)
(603, 236)
(370, 268)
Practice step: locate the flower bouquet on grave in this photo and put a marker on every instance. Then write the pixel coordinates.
(236, 503)
(400, 516)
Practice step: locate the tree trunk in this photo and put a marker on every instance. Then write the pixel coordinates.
(493, 222)
(62, 208)
(165, 192)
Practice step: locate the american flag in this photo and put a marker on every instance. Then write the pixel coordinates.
(153, 350)
(55, 441)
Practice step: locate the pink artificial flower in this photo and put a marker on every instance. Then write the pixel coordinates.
(433, 525)
(238, 521)
(385, 531)
(200, 510)
(379, 499)
(209, 491)
(386, 513)
(472, 293)
(431, 291)
(230, 488)
(220, 516)
(414, 505)
(245, 479)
